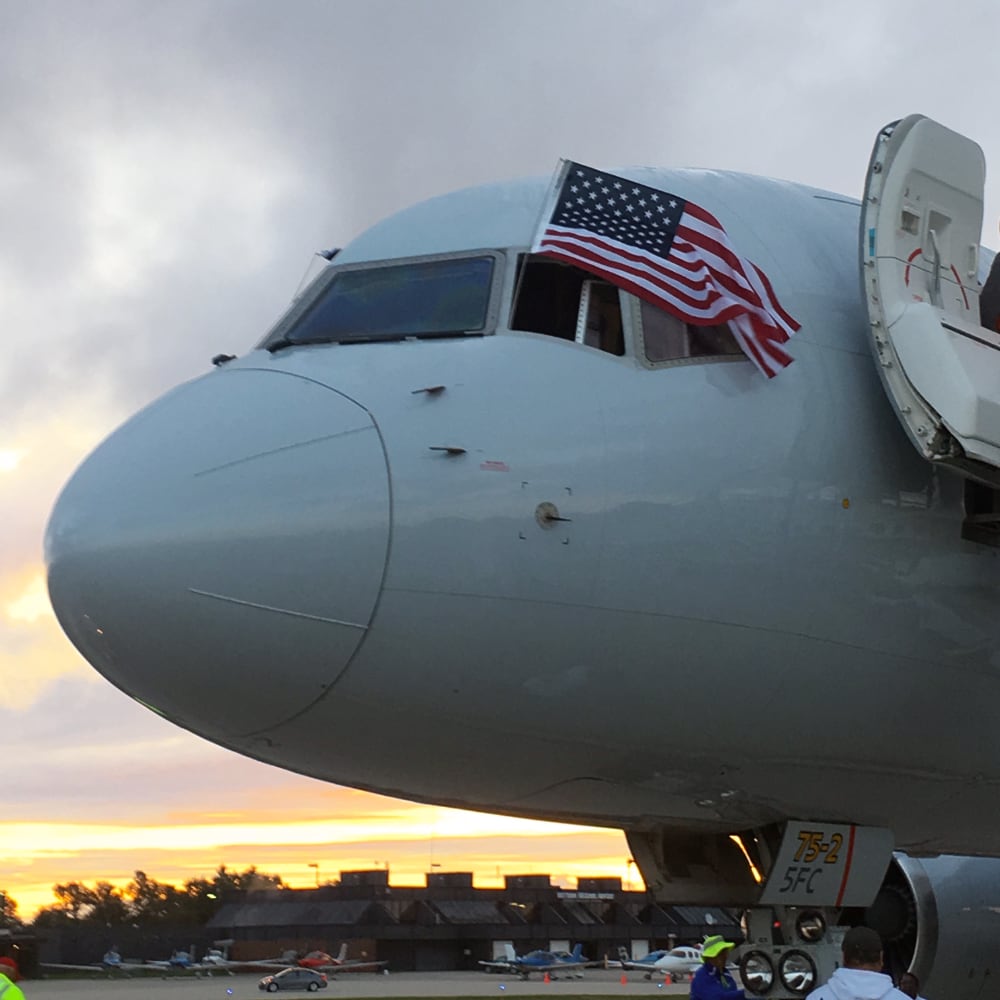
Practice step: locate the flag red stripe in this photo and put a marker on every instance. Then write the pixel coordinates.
(750, 348)
(774, 304)
(768, 358)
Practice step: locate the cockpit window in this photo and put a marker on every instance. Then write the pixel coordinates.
(560, 300)
(563, 301)
(390, 301)
(599, 323)
(665, 338)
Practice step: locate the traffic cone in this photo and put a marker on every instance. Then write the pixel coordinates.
(624, 979)
(546, 979)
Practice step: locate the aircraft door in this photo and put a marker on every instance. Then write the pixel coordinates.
(929, 216)
(920, 229)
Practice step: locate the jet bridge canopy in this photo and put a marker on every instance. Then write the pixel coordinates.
(920, 228)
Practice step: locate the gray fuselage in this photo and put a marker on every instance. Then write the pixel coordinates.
(755, 604)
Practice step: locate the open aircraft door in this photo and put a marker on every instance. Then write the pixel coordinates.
(920, 229)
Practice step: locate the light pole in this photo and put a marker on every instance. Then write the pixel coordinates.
(315, 864)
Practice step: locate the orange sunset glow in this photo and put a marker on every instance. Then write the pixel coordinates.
(408, 842)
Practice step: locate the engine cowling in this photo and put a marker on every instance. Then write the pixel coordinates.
(940, 917)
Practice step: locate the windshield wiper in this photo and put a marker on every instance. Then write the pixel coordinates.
(280, 343)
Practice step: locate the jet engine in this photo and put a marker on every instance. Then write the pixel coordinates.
(938, 917)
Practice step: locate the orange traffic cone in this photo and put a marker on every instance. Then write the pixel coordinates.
(545, 978)
(624, 979)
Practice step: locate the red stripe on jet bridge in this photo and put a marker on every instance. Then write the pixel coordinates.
(847, 865)
(960, 285)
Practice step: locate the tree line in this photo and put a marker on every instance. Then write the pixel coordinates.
(143, 902)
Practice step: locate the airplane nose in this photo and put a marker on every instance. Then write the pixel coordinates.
(239, 521)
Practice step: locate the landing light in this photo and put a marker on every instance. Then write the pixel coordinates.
(810, 926)
(797, 972)
(757, 972)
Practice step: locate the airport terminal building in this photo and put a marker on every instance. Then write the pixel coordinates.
(448, 924)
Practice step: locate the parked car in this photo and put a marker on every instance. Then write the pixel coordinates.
(293, 979)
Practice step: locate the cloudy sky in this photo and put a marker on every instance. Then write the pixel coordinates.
(167, 169)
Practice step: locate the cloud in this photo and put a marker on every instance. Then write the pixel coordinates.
(33, 651)
(47, 443)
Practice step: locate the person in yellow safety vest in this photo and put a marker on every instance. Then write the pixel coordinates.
(9, 990)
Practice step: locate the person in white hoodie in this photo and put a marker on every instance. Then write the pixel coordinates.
(861, 977)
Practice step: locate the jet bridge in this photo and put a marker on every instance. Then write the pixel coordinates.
(920, 229)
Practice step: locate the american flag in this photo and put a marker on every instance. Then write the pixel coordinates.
(668, 251)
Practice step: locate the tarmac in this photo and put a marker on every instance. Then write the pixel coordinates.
(243, 986)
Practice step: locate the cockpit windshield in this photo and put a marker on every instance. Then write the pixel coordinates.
(389, 301)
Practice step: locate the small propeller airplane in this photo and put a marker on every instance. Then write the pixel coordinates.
(111, 963)
(552, 962)
(321, 961)
(180, 960)
(684, 960)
